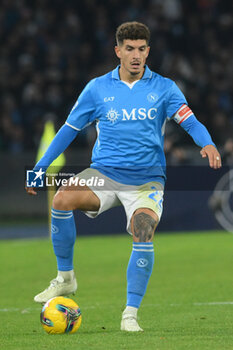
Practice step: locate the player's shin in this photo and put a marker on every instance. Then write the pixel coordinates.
(63, 238)
(139, 271)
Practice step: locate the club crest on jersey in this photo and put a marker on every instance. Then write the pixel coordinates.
(152, 97)
(112, 115)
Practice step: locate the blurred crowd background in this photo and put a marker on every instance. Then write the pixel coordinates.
(49, 50)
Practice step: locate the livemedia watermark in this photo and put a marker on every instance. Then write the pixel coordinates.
(39, 179)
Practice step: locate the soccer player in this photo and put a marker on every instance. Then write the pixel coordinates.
(130, 106)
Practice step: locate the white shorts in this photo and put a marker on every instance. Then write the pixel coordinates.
(113, 194)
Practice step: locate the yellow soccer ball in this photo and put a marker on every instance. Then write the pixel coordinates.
(60, 315)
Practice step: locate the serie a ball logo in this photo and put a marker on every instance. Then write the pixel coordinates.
(60, 315)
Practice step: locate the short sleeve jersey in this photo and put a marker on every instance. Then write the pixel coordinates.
(130, 123)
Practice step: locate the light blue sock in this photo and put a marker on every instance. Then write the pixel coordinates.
(138, 273)
(63, 232)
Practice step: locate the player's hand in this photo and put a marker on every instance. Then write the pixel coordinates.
(30, 190)
(213, 155)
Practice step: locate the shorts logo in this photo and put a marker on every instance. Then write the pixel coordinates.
(35, 178)
(152, 97)
(157, 196)
(142, 262)
(54, 229)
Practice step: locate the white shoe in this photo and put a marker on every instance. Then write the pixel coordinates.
(129, 323)
(57, 287)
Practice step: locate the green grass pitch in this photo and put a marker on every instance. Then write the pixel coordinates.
(188, 304)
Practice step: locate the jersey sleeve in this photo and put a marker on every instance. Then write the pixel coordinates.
(197, 131)
(83, 111)
(60, 142)
(175, 100)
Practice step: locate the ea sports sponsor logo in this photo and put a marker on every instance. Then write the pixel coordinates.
(142, 262)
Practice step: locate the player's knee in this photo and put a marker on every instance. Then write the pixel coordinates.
(144, 224)
(61, 202)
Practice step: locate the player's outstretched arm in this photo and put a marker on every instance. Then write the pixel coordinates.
(61, 141)
(201, 137)
(213, 156)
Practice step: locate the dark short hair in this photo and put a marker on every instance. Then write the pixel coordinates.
(132, 31)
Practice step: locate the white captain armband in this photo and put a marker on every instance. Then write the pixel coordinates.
(183, 113)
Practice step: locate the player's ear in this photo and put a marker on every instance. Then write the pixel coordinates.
(118, 51)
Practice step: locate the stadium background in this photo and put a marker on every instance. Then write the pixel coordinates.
(50, 50)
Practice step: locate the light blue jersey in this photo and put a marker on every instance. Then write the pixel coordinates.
(130, 124)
